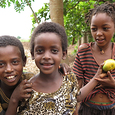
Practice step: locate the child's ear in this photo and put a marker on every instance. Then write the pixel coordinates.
(24, 61)
(64, 54)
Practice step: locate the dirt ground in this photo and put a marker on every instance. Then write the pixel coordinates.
(30, 65)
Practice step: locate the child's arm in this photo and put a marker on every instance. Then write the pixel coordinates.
(21, 91)
(90, 86)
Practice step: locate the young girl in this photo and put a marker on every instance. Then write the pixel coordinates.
(53, 93)
(101, 100)
(12, 61)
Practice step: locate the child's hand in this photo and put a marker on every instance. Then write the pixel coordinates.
(106, 81)
(23, 90)
(64, 69)
(100, 73)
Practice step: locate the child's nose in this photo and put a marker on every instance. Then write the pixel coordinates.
(99, 33)
(9, 68)
(46, 55)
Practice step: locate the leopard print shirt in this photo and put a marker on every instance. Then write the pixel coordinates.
(61, 102)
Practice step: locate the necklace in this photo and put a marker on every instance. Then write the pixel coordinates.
(101, 51)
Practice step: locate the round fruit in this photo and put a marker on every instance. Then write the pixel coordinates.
(109, 64)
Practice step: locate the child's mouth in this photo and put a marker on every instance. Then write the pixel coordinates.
(10, 77)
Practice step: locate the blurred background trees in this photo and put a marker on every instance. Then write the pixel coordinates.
(68, 13)
(73, 17)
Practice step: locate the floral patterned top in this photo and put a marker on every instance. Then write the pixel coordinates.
(61, 102)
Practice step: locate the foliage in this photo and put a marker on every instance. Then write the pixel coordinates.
(18, 4)
(113, 39)
(18, 37)
(75, 49)
(74, 14)
(42, 15)
(74, 17)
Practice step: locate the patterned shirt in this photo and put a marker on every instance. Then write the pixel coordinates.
(85, 67)
(61, 102)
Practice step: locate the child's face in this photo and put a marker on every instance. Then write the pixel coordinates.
(102, 28)
(11, 65)
(48, 52)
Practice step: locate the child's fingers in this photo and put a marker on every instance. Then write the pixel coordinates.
(27, 95)
(100, 86)
(109, 75)
(65, 69)
(23, 82)
(27, 85)
(101, 66)
(98, 79)
(103, 75)
(28, 90)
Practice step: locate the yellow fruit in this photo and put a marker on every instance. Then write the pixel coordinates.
(109, 64)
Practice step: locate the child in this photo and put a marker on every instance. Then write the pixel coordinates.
(12, 61)
(53, 94)
(101, 100)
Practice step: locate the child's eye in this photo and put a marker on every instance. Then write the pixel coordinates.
(39, 50)
(54, 50)
(1, 64)
(105, 28)
(15, 62)
(93, 29)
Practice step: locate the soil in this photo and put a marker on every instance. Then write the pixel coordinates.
(30, 65)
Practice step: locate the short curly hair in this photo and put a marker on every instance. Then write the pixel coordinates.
(52, 28)
(108, 8)
(6, 40)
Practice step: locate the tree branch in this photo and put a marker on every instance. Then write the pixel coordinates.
(32, 11)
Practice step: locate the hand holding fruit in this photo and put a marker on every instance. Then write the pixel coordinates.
(106, 81)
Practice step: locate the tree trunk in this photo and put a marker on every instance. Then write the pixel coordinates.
(79, 42)
(85, 37)
(56, 11)
(56, 14)
(73, 41)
